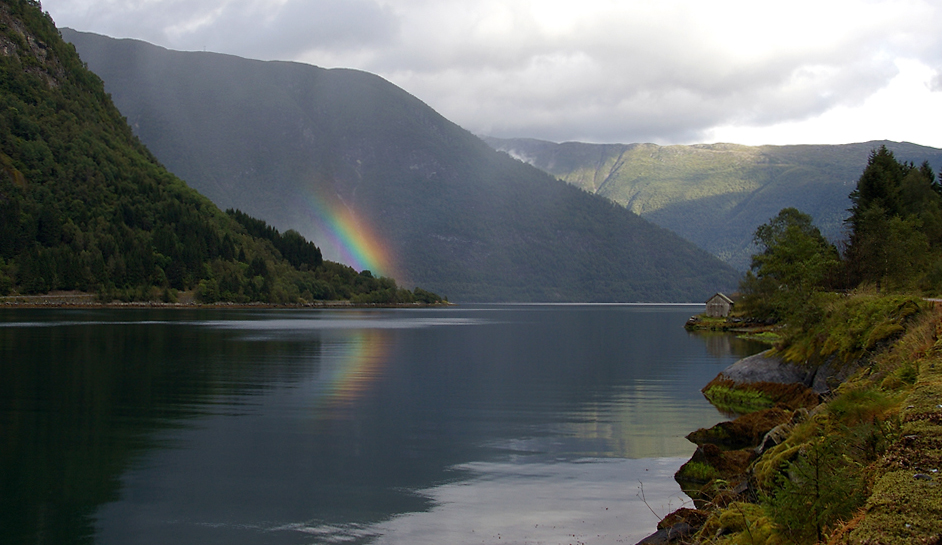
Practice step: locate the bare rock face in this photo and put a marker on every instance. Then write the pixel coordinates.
(19, 42)
(767, 367)
(831, 374)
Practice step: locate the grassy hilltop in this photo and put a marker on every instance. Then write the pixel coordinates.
(715, 195)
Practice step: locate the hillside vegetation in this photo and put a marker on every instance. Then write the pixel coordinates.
(861, 467)
(290, 143)
(715, 195)
(85, 206)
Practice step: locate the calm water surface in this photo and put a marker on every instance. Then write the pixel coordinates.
(510, 424)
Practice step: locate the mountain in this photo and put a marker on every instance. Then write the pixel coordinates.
(716, 195)
(376, 177)
(85, 206)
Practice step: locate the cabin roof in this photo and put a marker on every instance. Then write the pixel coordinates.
(722, 296)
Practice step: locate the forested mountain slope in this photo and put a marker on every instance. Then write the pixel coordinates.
(716, 195)
(85, 206)
(342, 154)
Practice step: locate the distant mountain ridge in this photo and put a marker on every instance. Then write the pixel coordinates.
(294, 144)
(715, 195)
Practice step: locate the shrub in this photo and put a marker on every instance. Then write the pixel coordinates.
(858, 405)
(817, 490)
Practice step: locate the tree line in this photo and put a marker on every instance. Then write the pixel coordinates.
(854, 302)
(893, 244)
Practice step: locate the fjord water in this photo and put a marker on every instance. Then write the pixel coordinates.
(475, 424)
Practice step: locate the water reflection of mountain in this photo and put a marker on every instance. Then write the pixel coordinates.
(118, 420)
(83, 393)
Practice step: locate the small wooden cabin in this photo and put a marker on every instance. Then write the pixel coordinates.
(719, 306)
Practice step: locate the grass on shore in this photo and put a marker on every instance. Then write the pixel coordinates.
(866, 466)
(731, 399)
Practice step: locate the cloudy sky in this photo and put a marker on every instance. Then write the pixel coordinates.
(665, 71)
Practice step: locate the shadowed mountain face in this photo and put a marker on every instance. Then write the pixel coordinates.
(85, 206)
(366, 170)
(716, 195)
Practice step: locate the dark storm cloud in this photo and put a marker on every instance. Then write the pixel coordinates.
(251, 28)
(291, 29)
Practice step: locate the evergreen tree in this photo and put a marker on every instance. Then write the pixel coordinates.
(896, 225)
(878, 186)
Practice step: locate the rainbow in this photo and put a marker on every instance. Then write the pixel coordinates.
(349, 236)
(349, 369)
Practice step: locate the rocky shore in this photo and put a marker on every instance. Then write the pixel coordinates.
(786, 411)
(726, 451)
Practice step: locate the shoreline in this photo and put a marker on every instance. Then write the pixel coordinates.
(895, 388)
(82, 300)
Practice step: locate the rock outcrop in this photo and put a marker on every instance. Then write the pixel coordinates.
(770, 367)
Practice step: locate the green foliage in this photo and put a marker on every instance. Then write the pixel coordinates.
(293, 247)
(6, 282)
(841, 463)
(697, 471)
(895, 245)
(818, 477)
(902, 510)
(714, 195)
(794, 262)
(741, 524)
(737, 400)
(880, 185)
(818, 489)
(848, 326)
(768, 337)
(863, 405)
(85, 206)
(896, 225)
(85, 202)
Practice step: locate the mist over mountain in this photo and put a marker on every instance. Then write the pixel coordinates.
(300, 147)
(716, 195)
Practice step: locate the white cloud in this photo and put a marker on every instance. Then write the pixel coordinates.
(907, 109)
(935, 84)
(594, 70)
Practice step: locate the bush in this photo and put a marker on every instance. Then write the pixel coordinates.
(208, 291)
(858, 405)
(6, 284)
(818, 489)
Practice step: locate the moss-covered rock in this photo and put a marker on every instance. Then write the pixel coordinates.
(746, 431)
(905, 507)
(740, 523)
(906, 503)
(745, 397)
(709, 464)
